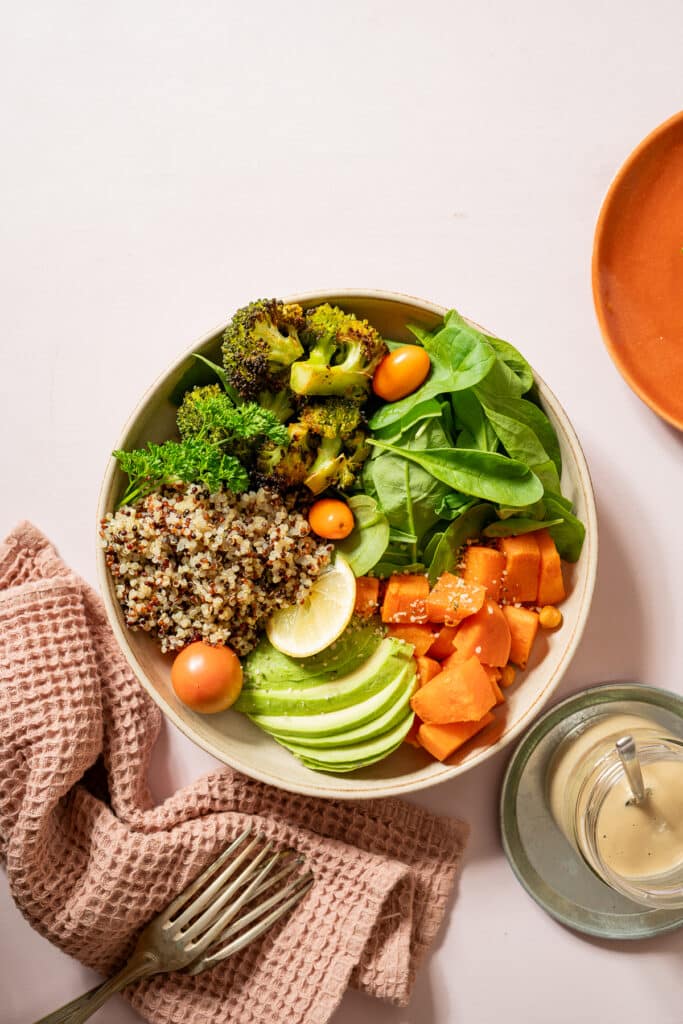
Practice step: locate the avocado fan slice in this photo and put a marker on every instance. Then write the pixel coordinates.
(366, 679)
(358, 755)
(342, 719)
(394, 711)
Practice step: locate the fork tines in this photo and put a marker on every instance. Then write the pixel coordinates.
(241, 894)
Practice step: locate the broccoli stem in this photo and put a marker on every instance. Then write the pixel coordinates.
(307, 378)
(323, 471)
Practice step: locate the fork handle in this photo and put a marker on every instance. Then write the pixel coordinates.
(83, 1007)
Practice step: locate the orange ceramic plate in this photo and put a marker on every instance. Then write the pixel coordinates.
(638, 270)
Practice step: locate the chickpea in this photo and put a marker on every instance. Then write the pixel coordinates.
(507, 676)
(550, 617)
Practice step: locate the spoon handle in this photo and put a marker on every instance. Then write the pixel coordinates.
(628, 755)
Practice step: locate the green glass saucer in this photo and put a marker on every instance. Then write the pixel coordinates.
(546, 864)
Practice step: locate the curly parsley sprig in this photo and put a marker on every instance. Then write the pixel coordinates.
(208, 413)
(217, 437)
(174, 462)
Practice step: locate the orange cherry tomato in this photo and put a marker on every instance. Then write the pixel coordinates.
(401, 372)
(331, 519)
(207, 679)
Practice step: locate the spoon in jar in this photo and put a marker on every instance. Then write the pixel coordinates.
(628, 755)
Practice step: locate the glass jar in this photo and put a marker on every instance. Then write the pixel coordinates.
(636, 848)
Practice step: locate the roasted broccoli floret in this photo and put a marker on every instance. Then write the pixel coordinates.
(343, 354)
(286, 466)
(338, 462)
(341, 445)
(327, 447)
(200, 412)
(331, 417)
(260, 343)
(208, 414)
(280, 403)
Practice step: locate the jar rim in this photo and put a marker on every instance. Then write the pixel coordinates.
(591, 796)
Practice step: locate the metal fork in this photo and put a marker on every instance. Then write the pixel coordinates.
(252, 891)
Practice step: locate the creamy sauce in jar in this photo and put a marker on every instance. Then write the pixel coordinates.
(576, 753)
(641, 840)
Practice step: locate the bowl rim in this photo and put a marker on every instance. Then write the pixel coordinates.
(605, 212)
(324, 784)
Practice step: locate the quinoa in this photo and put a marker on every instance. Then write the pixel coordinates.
(188, 565)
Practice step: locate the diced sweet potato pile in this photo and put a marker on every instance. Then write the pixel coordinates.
(469, 632)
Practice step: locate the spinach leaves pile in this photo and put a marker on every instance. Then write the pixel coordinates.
(470, 452)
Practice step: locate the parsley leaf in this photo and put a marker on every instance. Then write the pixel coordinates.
(189, 461)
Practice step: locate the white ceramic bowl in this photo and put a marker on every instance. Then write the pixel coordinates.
(230, 736)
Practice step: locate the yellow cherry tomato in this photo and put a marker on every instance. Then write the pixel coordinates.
(331, 519)
(401, 372)
(206, 678)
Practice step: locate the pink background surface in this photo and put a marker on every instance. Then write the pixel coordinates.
(162, 166)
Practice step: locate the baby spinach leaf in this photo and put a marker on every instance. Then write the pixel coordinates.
(465, 440)
(202, 372)
(526, 426)
(569, 534)
(547, 474)
(197, 375)
(219, 371)
(367, 482)
(469, 524)
(386, 568)
(431, 546)
(560, 499)
(504, 350)
(369, 538)
(519, 441)
(419, 332)
(401, 537)
(499, 382)
(408, 494)
(535, 511)
(431, 409)
(485, 475)
(396, 559)
(514, 360)
(514, 527)
(453, 505)
(447, 420)
(469, 412)
(460, 357)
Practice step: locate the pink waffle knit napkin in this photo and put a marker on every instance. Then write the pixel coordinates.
(90, 863)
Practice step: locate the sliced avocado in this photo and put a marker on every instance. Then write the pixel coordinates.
(358, 755)
(298, 728)
(266, 666)
(392, 716)
(371, 676)
(339, 769)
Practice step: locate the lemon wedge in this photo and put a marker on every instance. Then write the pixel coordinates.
(305, 629)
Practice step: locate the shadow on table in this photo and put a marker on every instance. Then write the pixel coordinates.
(423, 1008)
(615, 643)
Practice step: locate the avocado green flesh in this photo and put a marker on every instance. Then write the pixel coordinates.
(269, 668)
(345, 718)
(358, 755)
(340, 769)
(372, 675)
(343, 709)
(382, 723)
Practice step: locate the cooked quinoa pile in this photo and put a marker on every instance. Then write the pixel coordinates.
(188, 565)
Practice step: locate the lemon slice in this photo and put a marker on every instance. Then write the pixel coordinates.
(305, 629)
